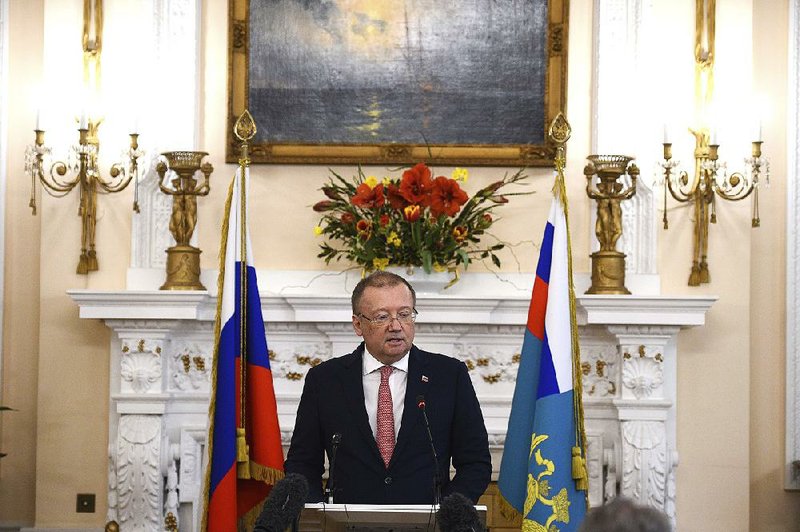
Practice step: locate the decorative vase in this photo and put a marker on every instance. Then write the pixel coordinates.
(426, 283)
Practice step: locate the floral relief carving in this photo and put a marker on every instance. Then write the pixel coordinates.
(644, 462)
(140, 365)
(293, 363)
(642, 373)
(600, 371)
(138, 475)
(190, 367)
(497, 365)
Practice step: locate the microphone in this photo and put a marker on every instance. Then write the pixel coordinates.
(336, 439)
(284, 504)
(457, 514)
(437, 485)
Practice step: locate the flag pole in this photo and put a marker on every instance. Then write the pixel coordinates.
(559, 134)
(244, 129)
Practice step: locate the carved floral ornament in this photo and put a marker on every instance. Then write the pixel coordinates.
(642, 374)
(140, 367)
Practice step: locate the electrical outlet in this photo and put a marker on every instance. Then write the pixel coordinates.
(85, 503)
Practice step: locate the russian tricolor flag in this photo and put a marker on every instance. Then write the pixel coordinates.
(239, 478)
(536, 473)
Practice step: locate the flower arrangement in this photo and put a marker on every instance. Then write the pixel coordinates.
(415, 221)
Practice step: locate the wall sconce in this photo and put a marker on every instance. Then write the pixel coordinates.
(81, 169)
(710, 179)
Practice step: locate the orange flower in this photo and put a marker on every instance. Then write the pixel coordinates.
(384, 220)
(369, 198)
(447, 197)
(416, 184)
(412, 213)
(459, 233)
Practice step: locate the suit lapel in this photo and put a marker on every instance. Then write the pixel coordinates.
(417, 360)
(354, 390)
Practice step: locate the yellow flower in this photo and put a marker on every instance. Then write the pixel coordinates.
(394, 240)
(387, 181)
(371, 181)
(460, 174)
(439, 267)
(380, 264)
(318, 230)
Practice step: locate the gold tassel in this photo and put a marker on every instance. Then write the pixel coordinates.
(242, 454)
(579, 470)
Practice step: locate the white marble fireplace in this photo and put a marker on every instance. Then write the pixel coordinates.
(162, 345)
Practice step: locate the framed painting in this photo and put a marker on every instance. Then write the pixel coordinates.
(447, 82)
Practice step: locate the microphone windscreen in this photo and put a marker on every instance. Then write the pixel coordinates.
(457, 514)
(284, 504)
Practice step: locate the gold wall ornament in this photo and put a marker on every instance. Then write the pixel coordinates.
(608, 264)
(81, 165)
(176, 174)
(710, 179)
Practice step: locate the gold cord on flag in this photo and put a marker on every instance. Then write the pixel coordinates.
(559, 133)
(244, 129)
(214, 370)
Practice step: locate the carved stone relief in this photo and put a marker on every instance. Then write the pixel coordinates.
(139, 479)
(140, 366)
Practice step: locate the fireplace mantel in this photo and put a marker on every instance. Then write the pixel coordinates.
(162, 347)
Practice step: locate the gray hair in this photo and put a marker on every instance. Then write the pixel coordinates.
(379, 279)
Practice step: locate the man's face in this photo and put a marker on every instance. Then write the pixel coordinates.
(387, 342)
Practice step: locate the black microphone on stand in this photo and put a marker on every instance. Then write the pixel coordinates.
(437, 483)
(284, 504)
(336, 439)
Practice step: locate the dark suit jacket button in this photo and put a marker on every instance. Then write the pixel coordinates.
(387, 480)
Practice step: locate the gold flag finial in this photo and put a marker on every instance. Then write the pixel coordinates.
(559, 133)
(559, 130)
(245, 129)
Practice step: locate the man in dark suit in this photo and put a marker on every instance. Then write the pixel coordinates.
(369, 399)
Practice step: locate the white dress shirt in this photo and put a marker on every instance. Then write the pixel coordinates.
(371, 379)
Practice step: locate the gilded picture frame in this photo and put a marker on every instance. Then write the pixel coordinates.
(397, 82)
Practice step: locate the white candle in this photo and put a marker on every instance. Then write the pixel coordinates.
(84, 123)
(666, 134)
(135, 126)
(38, 119)
(713, 141)
(758, 131)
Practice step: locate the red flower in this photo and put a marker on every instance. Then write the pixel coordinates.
(363, 227)
(485, 221)
(348, 218)
(324, 205)
(412, 213)
(384, 220)
(369, 198)
(395, 197)
(416, 184)
(447, 197)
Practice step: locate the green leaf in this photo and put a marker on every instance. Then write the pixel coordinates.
(495, 260)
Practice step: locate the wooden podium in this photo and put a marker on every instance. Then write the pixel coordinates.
(318, 517)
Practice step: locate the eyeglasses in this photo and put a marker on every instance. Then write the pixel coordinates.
(384, 318)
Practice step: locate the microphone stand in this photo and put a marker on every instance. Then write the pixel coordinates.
(336, 439)
(437, 481)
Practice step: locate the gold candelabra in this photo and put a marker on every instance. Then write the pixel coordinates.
(710, 181)
(608, 264)
(177, 180)
(81, 169)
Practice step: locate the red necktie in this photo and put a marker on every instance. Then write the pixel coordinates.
(385, 436)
